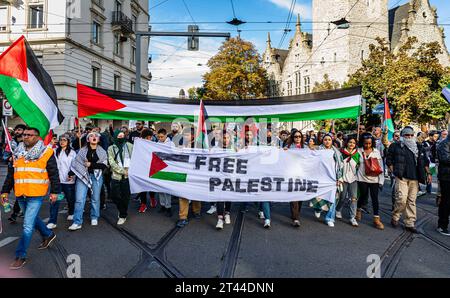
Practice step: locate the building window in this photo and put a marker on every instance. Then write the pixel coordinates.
(132, 87)
(36, 16)
(98, 2)
(133, 54)
(95, 76)
(297, 83)
(3, 18)
(96, 31)
(289, 88)
(117, 44)
(118, 6)
(117, 81)
(307, 82)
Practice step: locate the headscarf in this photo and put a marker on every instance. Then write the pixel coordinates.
(411, 143)
(120, 143)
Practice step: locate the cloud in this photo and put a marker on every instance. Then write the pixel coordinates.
(174, 68)
(303, 10)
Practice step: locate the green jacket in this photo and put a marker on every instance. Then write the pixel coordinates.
(118, 172)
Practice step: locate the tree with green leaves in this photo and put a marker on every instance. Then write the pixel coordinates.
(412, 78)
(235, 72)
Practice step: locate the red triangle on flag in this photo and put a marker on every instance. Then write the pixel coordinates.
(13, 61)
(91, 102)
(157, 165)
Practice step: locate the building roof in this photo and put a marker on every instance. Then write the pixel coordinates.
(396, 16)
(280, 55)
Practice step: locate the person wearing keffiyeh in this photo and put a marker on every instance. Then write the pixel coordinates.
(319, 204)
(88, 166)
(351, 158)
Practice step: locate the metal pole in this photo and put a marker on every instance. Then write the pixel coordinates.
(137, 87)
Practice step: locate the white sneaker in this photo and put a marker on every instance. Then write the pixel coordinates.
(338, 214)
(330, 224)
(121, 221)
(70, 217)
(94, 222)
(261, 215)
(219, 225)
(354, 222)
(212, 210)
(74, 227)
(51, 226)
(267, 223)
(317, 214)
(227, 219)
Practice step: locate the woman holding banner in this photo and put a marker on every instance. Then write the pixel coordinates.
(319, 204)
(224, 208)
(295, 142)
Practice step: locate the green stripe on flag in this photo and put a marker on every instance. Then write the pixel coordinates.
(170, 176)
(349, 112)
(23, 105)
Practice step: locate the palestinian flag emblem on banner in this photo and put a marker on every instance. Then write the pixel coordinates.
(29, 88)
(158, 165)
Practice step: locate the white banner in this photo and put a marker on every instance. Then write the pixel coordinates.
(256, 174)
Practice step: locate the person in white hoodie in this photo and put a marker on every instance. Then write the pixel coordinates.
(351, 158)
(368, 179)
(64, 157)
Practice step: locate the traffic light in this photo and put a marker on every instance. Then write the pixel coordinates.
(193, 41)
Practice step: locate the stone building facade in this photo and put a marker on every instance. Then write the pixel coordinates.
(338, 52)
(87, 41)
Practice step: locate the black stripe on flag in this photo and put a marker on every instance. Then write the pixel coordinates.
(173, 157)
(43, 78)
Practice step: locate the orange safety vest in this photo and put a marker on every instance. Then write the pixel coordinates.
(31, 177)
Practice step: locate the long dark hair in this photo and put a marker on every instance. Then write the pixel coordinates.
(291, 138)
(67, 151)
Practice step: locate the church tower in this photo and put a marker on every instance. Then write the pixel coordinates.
(338, 50)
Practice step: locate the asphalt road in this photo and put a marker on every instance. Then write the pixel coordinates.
(149, 245)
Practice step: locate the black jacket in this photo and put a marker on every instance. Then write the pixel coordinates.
(443, 155)
(396, 158)
(53, 175)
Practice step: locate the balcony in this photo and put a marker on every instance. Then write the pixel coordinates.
(120, 22)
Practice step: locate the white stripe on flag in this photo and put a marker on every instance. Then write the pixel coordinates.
(236, 111)
(41, 99)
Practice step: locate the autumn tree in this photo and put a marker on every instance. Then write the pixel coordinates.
(412, 78)
(235, 72)
(196, 92)
(326, 84)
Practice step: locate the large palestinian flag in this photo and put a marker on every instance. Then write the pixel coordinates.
(29, 88)
(106, 104)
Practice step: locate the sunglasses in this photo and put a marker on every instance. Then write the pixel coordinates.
(28, 135)
(408, 135)
(296, 137)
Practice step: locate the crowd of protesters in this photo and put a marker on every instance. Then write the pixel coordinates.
(93, 166)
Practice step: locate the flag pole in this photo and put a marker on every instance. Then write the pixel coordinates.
(79, 122)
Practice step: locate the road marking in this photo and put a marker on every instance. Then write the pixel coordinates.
(63, 211)
(7, 241)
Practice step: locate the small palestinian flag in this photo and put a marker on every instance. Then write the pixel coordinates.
(201, 137)
(446, 93)
(388, 124)
(29, 88)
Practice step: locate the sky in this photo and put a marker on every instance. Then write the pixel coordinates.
(174, 67)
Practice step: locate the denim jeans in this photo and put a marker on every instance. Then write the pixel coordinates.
(69, 194)
(31, 207)
(352, 190)
(265, 208)
(81, 190)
